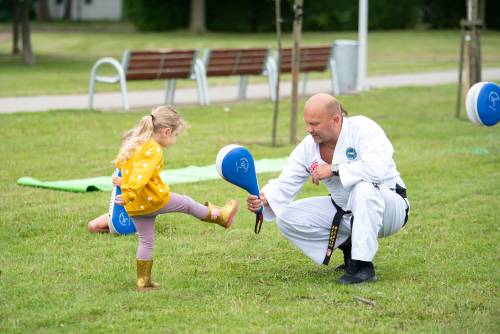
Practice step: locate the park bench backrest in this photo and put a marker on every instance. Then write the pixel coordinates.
(152, 65)
(226, 62)
(312, 59)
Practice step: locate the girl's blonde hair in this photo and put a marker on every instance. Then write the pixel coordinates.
(160, 117)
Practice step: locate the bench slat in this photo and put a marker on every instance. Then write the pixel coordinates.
(312, 59)
(227, 62)
(151, 65)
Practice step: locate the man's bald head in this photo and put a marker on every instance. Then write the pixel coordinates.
(324, 103)
(323, 118)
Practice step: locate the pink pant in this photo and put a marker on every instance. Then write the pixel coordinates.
(145, 224)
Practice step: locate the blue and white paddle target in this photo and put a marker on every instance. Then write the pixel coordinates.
(119, 221)
(235, 164)
(483, 103)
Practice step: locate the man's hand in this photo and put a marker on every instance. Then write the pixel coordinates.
(116, 181)
(254, 203)
(119, 200)
(321, 172)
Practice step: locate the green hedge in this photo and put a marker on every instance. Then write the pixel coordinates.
(258, 15)
(319, 15)
(157, 15)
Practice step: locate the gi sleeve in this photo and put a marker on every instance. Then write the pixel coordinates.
(374, 157)
(281, 191)
(143, 168)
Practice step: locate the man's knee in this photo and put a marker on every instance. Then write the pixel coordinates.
(363, 189)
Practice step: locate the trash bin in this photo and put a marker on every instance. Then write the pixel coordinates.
(345, 71)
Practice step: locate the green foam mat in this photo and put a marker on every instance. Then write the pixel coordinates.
(170, 176)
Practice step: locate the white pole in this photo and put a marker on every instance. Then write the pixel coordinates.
(362, 42)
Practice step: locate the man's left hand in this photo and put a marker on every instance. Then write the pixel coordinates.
(119, 200)
(321, 172)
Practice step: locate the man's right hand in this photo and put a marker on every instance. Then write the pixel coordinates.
(254, 203)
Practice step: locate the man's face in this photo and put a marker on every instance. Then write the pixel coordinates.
(320, 125)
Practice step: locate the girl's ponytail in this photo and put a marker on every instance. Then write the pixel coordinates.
(135, 137)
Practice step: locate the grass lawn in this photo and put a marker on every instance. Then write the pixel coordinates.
(440, 274)
(65, 55)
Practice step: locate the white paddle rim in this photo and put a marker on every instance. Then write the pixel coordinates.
(220, 157)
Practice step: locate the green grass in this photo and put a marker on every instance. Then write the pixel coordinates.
(440, 274)
(65, 54)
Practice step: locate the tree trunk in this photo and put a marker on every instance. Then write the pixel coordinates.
(67, 9)
(15, 27)
(197, 16)
(474, 47)
(297, 28)
(27, 53)
(43, 14)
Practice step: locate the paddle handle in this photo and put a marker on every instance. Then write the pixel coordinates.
(259, 218)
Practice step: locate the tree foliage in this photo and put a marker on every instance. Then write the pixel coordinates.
(157, 15)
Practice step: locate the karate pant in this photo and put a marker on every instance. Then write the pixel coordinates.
(377, 212)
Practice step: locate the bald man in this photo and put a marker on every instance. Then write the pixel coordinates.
(352, 157)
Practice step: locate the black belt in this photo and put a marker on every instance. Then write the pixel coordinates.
(334, 230)
(402, 192)
(341, 212)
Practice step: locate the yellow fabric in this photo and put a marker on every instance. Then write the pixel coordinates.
(143, 190)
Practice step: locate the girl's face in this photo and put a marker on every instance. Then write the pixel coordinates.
(166, 137)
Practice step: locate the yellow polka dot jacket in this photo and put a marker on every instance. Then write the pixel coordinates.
(143, 190)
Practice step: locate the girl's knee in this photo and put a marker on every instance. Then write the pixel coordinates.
(99, 224)
(91, 227)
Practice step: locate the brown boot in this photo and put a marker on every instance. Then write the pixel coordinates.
(144, 282)
(222, 216)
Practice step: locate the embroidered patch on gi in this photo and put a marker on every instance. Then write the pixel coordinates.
(313, 166)
(350, 153)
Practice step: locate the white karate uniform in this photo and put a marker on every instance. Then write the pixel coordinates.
(365, 186)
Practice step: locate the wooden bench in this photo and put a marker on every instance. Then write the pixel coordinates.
(312, 59)
(233, 62)
(167, 65)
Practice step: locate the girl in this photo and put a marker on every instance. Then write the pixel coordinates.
(145, 195)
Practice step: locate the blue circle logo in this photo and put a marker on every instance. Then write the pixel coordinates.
(123, 219)
(350, 153)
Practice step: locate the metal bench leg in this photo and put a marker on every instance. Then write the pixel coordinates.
(202, 76)
(199, 89)
(201, 85)
(123, 87)
(110, 80)
(206, 97)
(170, 91)
(272, 81)
(334, 76)
(272, 77)
(304, 83)
(242, 90)
(91, 92)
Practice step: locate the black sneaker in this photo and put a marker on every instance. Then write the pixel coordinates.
(358, 272)
(346, 249)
